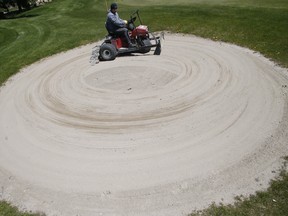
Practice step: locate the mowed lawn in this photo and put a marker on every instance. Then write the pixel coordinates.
(261, 25)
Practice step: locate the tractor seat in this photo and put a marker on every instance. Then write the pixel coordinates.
(111, 36)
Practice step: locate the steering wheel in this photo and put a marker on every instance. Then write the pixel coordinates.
(132, 20)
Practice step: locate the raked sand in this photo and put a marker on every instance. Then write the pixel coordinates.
(142, 135)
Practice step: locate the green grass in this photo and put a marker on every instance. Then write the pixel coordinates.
(43, 31)
(261, 29)
(261, 25)
(7, 210)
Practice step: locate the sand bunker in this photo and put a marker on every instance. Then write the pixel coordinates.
(142, 135)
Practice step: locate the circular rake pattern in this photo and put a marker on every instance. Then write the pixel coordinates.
(142, 135)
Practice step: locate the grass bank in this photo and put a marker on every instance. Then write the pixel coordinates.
(261, 25)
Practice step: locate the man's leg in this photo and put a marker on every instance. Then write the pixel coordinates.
(124, 31)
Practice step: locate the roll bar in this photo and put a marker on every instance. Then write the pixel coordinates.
(138, 16)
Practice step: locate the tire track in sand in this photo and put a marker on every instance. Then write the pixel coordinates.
(142, 135)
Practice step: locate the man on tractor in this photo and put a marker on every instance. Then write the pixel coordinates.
(117, 26)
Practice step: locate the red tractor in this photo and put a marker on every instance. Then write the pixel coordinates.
(140, 35)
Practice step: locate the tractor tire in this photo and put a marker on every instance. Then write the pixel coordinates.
(146, 42)
(107, 52)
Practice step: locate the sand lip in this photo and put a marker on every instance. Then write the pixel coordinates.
(142, 135)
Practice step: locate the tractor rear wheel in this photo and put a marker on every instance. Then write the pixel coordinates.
(108, 52)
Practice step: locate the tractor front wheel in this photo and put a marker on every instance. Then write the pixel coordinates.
(146, 43)
(108, 52)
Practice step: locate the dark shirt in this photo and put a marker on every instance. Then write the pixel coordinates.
(113, 22)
